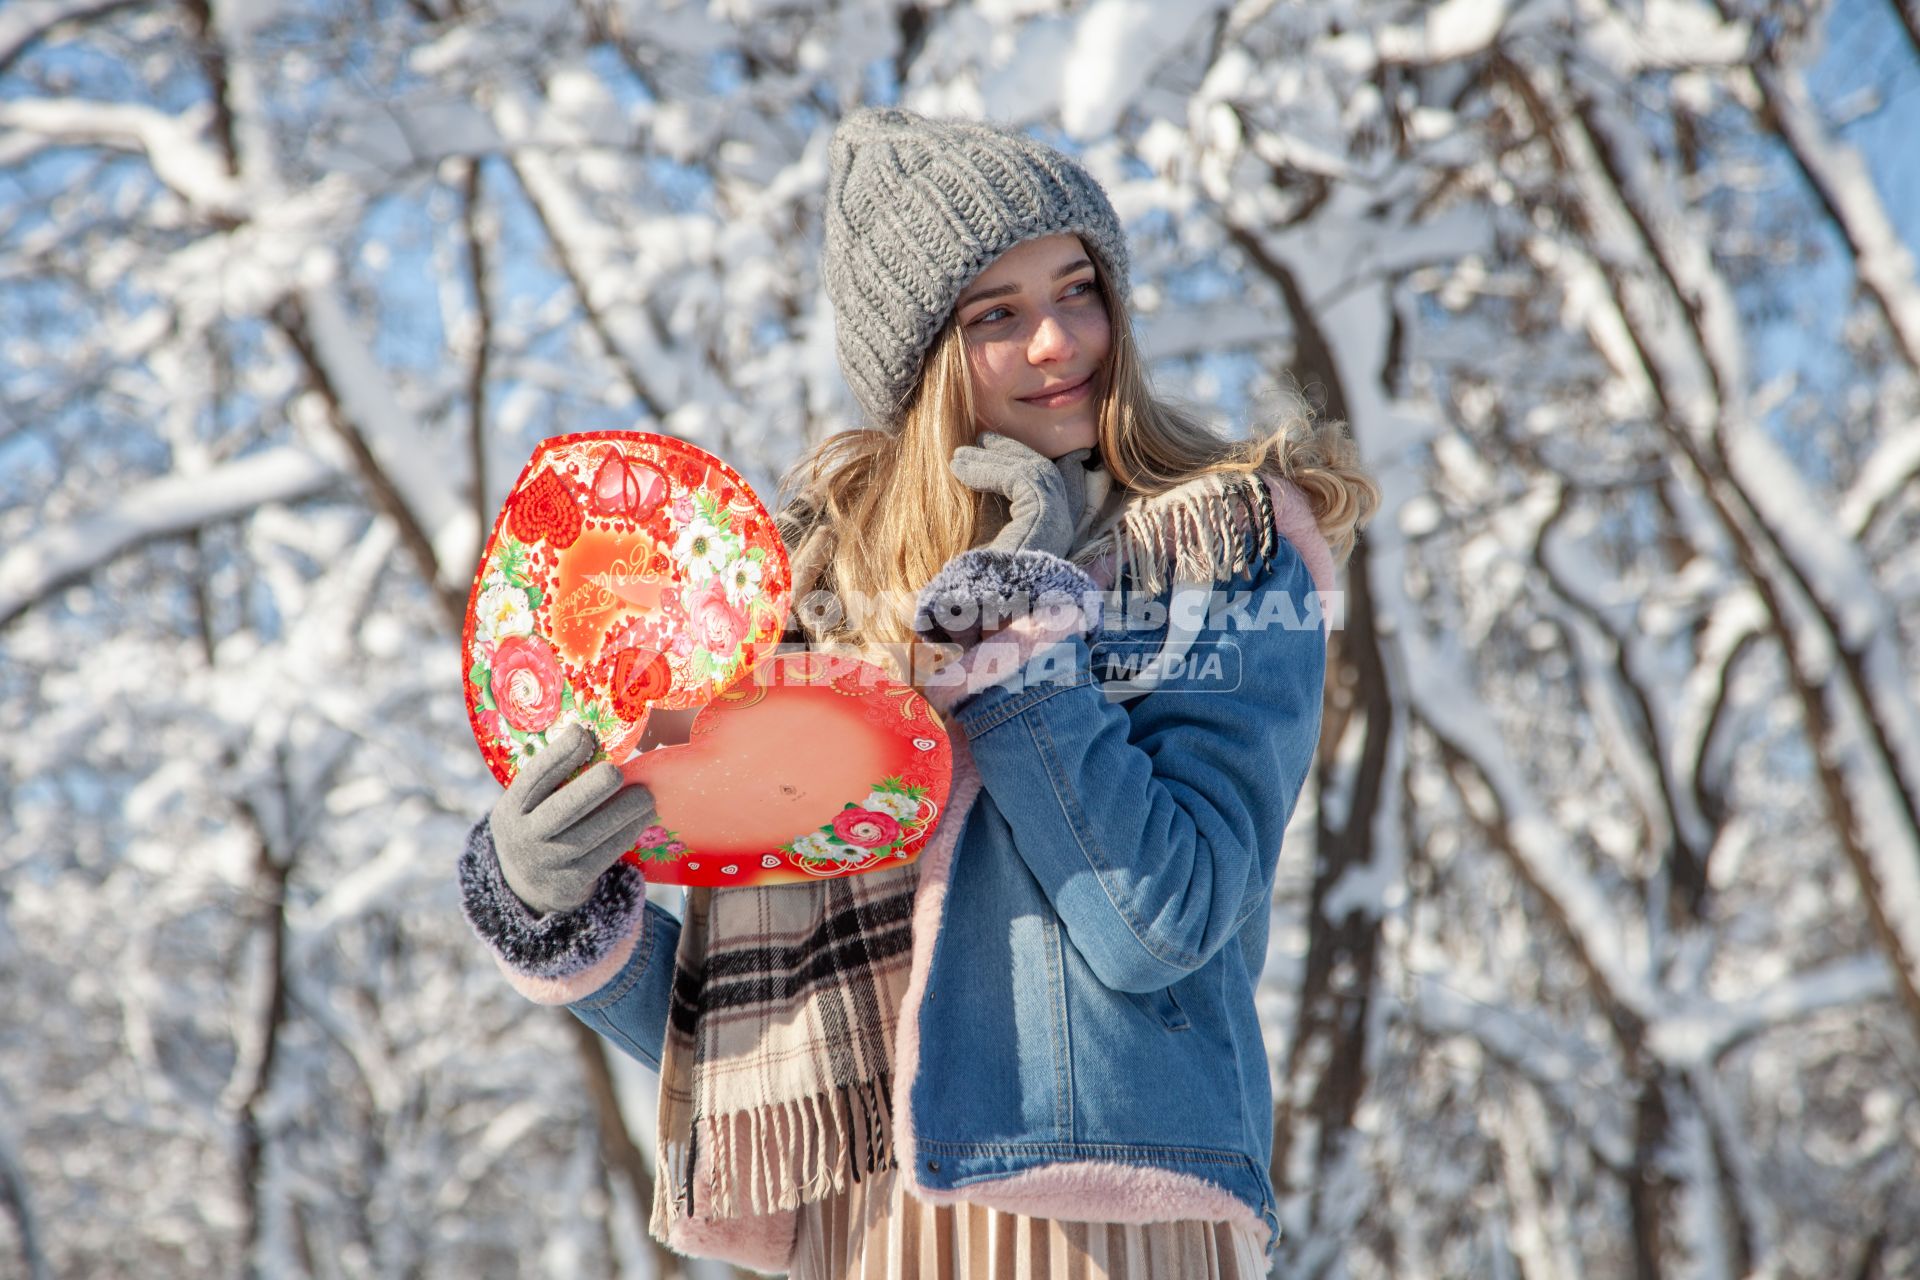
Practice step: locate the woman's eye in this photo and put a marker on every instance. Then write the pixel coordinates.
(1080, 288)
(992, 317)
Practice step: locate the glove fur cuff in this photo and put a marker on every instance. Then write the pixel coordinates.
(560, 945)
(1009, 612)
(985, 589)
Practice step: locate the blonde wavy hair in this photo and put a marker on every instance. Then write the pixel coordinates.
(913, 514)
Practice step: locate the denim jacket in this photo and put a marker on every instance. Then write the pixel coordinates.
(1079, 1037)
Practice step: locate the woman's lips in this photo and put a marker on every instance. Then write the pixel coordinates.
(1063, 397)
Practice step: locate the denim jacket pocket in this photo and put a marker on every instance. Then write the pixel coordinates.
(1163, 1005)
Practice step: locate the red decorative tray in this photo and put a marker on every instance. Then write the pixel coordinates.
(628, 571)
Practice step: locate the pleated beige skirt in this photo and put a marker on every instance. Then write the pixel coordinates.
(875, 1231)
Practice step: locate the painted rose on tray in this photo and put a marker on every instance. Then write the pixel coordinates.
(718, 627)
(526, 683)
(865, 828)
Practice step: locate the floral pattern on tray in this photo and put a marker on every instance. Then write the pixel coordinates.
(861, 835)
(625, 571)
(884, 826)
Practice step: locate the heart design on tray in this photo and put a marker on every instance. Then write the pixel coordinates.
(639, 677)
(545, 510)
(628, 571)
(626, 487)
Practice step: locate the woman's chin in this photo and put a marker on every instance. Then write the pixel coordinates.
(1052, 439)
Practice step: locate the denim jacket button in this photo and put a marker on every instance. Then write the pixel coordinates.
(933, 1166)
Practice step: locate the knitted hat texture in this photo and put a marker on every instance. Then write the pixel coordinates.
(916, 208)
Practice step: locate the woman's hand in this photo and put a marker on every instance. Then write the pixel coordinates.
(555, 841)
(1044, 495)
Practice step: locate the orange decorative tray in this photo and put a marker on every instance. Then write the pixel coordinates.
(628, 571)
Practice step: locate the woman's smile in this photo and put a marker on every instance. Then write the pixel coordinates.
(1063, 396)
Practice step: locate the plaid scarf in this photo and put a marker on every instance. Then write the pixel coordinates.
(776, 1077)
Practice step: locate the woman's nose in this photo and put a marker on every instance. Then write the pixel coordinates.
(1051, 341)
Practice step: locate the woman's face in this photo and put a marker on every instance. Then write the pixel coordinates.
(1037, 337)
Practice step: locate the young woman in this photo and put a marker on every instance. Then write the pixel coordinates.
(1035, 1050)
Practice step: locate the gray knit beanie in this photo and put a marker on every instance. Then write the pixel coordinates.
(916, 208)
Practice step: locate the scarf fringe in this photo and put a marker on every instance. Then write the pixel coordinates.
(780, 1155)
(1211, 528)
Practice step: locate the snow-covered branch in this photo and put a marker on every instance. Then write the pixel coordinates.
(1771, 523)
(27, 22)
(1891, 470)
(1838, 173)
(160, 508)
(627, 342)
(1512, 815)
(389, 453)
(1686, 1036)
(169, 143)
(1572, 1074)
(1449, 31)
(15, 1199)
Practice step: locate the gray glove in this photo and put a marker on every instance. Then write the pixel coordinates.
(554, 841)
(1045, 496)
